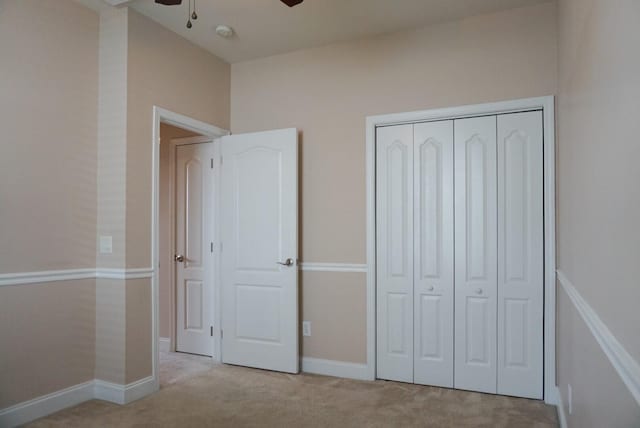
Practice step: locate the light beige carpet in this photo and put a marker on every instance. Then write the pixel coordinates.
(198, 393)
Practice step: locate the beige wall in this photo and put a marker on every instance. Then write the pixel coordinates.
(48, 106)
(138, 337)
(327, 92)
(600, 398)
(165, 224)
(48, 117)
(110, 319)
(598, 201)
(47, 332)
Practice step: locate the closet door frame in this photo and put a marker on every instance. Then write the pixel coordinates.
(546, 105)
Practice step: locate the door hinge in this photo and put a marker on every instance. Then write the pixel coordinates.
(211, 331)
(212, 247)
(220, 160)
(221, 334)
(211, 163)
(221, 247)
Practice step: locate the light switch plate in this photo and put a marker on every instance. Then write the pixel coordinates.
(306, 328)
(106, 245)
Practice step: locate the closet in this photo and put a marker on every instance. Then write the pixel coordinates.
(459, 253)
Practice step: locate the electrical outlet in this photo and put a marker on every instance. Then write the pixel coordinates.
(306, 328)
(570, 398)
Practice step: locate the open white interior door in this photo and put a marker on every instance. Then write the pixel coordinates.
(259, 232)
(194, 261)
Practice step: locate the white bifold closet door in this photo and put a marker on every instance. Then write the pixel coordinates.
(433, 253)
(520, 254)
(499, 254)
(414, 221)
(459, 229)
(394, 230)
(476, 264)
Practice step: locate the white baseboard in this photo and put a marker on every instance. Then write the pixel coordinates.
(123, 394)
(139, 389)
(107, 391)
(28, 411)
(335, 368)
(39, 407)
(562, 417)
(164, 344)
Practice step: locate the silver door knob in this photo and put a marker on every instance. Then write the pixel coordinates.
(430, 288)
(478, 290)
(178, 258)
(288, 262)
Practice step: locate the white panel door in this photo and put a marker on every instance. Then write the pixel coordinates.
(194, 259)
(520, 255)
(394, 254)
(433, 253)
(259, 230)
(475, 254)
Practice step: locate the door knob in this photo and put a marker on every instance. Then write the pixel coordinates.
(178, 258)
(430, 288)
(478, 290)
(288, 262)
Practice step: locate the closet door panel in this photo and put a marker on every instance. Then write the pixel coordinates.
(433, 253)
(475, 254)
(394, 252)
(520, 254)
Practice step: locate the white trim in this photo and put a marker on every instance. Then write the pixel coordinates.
(163, 115)
(627, 367)
(45, 276)
(333, 267)
(123, 394)
(164, 344)
(20, 278)
(335, 368)
(547, 106)
(183, 141)
(107, 391)
(139, 389)
(109, 273)
(562, 416)
(39, 407)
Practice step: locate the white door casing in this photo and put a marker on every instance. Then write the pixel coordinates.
(433, 253)
(520, 255)
(194, 183)
(259, 230)
(475, 254)
(394, 268)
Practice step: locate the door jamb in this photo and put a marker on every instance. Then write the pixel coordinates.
(205, 129)
(546, 104)
(174, 143)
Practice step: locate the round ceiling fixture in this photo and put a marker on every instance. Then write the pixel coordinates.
(224, 31)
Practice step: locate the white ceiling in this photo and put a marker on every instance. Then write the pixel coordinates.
(268, 27)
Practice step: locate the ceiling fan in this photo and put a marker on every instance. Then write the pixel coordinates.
(193, 15)
(289, 3)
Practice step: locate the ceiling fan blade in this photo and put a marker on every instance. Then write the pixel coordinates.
(291, 3)
(169, 2)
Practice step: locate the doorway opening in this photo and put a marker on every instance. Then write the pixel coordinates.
(251, 263)
(183, 270)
